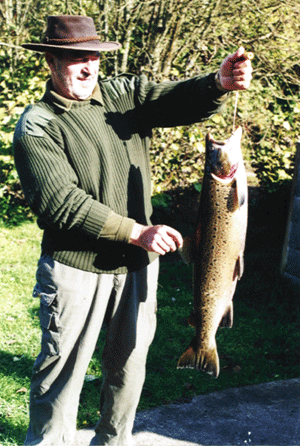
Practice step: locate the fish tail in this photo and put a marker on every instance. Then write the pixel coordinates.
(197, 358)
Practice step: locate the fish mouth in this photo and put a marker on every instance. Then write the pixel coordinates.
(228, 176)
(223, 156)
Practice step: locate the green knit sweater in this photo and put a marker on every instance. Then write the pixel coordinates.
(84, 165)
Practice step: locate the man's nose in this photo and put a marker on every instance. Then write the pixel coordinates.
(87, 69)
(88, 64)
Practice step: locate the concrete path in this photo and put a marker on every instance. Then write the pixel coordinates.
(265, 414)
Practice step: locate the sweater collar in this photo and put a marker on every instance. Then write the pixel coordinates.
(68, 104)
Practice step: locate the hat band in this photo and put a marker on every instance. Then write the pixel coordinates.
(73, 40)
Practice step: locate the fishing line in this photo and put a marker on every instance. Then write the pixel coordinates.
(245, 56)
(235, 109)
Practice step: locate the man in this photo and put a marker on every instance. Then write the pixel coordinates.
(82, 154)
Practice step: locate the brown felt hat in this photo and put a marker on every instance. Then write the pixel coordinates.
(71, 32)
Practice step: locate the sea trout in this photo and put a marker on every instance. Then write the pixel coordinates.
(217, 249)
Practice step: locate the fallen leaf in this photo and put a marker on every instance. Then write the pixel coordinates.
(22, 390)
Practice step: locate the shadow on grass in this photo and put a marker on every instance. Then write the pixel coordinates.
(19, 368)
(10, 433)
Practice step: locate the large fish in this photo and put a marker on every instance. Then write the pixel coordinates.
(217, 249)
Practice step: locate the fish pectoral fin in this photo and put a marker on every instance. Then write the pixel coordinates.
(200, 359)
(239, 268)
(241, 188)
(187, 251)
(227, 318)
(241, 197)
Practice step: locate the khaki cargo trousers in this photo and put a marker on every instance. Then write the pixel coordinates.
(73, 306)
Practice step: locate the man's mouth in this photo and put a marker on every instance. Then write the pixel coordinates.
(87, 77)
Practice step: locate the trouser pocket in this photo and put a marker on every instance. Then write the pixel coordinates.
(50, 326)
(46, 290)
(49, 321)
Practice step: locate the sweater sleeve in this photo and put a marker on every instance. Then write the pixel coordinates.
(52, 191)
(173, 103)
(117, 228)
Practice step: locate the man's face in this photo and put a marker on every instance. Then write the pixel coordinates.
(74, 74)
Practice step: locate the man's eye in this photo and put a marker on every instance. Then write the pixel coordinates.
(85, 59)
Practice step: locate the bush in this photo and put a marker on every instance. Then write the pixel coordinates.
(268, 112)
(273, 140)
(177, 157)
(17, 89)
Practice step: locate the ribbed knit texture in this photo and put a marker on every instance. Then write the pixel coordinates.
(78, 161)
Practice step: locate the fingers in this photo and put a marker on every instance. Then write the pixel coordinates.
(241, 68)
(241, 55)
(159, 238)
(240, 51)
(241, 77)
(236, 71)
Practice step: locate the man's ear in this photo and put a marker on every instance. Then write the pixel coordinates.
(50, 60)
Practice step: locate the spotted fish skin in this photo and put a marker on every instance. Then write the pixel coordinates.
(217, 249)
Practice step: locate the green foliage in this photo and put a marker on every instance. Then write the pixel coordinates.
(177, 156)
(175, 40)
(161, 201)
(274, 138)
(17, 90)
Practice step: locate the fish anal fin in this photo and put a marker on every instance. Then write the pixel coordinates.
(206, 360)
(227, 319)
(189, 358)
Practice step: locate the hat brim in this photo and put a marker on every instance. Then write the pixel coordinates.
(93, 45)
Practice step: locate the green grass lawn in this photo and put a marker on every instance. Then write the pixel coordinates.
(262, 346)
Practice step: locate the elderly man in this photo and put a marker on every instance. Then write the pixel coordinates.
(82, 154)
